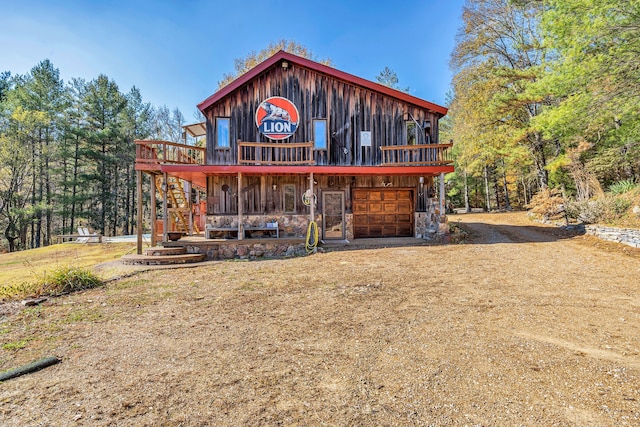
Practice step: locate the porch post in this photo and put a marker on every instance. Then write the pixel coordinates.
(153, 211)
(165, 213)
(190, 206)
(139, 213)
(442, 210)
(240, 207)
(313, 210)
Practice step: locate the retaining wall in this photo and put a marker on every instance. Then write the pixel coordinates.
(627, 236)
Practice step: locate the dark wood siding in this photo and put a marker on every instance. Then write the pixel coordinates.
(260, 197)
(349, 110)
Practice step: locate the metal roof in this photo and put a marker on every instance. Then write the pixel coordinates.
(196, 129)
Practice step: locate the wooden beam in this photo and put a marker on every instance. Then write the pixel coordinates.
(442, 210)
(190, 206)
(263, 193)
(154, 237)
(313, 210)
(139, 212)
(165, 207)
(240, 208)
(189, 172)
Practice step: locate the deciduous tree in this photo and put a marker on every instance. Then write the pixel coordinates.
(498, 54)
(253, 58)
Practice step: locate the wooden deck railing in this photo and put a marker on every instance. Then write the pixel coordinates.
(275, 153)
(162, 152)
(414, 155)
(152, 152)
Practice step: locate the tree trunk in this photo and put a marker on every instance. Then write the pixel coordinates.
(48, 195)
(11, 237)
(486, 188)
(496, 188)
(65, 195)
(540, 161)
(104, 197)
(507, 205)
(115, 189)
(74, 184)
(467, 208)
(34, 179)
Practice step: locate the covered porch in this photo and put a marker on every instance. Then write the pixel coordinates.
(276, 183)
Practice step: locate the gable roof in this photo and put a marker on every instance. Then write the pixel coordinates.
(323, 69)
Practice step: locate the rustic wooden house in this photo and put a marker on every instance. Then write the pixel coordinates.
(294, 140)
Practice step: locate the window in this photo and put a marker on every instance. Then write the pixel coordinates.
(289, 198)
(427, 132)
(412, 134)
(320, 134)
(223, 136)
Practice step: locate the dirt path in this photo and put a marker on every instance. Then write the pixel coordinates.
(521, 325)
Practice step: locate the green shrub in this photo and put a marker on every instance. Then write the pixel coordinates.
(17, 290)
(69, 279)
(608, 209)
(622, 187)
(586, 211)
(62, 280)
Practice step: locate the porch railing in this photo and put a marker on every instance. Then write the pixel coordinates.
(417, 155)
(162, 152)
(275, 153)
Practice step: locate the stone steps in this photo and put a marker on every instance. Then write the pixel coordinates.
(163, 256)
(163, 251)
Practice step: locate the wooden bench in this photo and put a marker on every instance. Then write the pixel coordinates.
(61, 238)
(209, 230)
(269, 228)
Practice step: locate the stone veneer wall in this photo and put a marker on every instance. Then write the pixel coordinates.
(627, 236)
(427, 225)
(289, 225)
(246, 249)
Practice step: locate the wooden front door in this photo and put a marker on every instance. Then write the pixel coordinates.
(379, 212)
(333, 215)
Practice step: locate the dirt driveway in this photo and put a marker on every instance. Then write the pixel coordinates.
(521, 325)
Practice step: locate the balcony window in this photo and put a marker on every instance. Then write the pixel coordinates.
(223, 136)
(320, 134)
(412, 133)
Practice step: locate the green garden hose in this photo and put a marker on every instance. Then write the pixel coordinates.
(312, 237)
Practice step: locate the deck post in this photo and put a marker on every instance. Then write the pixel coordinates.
(154, 237)
(190, 206)
(442, 210)
(240, 207)
(312, 205)
(139, 212)
(165, 209)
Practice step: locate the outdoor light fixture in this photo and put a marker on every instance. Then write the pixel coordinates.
(285, 65)
(275, 187)
(422, 180)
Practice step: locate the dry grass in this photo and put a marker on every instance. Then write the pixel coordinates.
(522, 325)
(25, 266)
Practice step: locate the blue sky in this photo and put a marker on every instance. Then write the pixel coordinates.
(176, 51)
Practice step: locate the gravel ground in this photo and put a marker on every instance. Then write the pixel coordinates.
(523, 324)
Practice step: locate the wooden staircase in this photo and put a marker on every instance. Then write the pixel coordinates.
(178, 204)
(163, 256)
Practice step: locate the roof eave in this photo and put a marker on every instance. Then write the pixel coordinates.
(321, 68)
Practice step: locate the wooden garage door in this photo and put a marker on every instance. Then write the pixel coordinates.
(382, 212)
